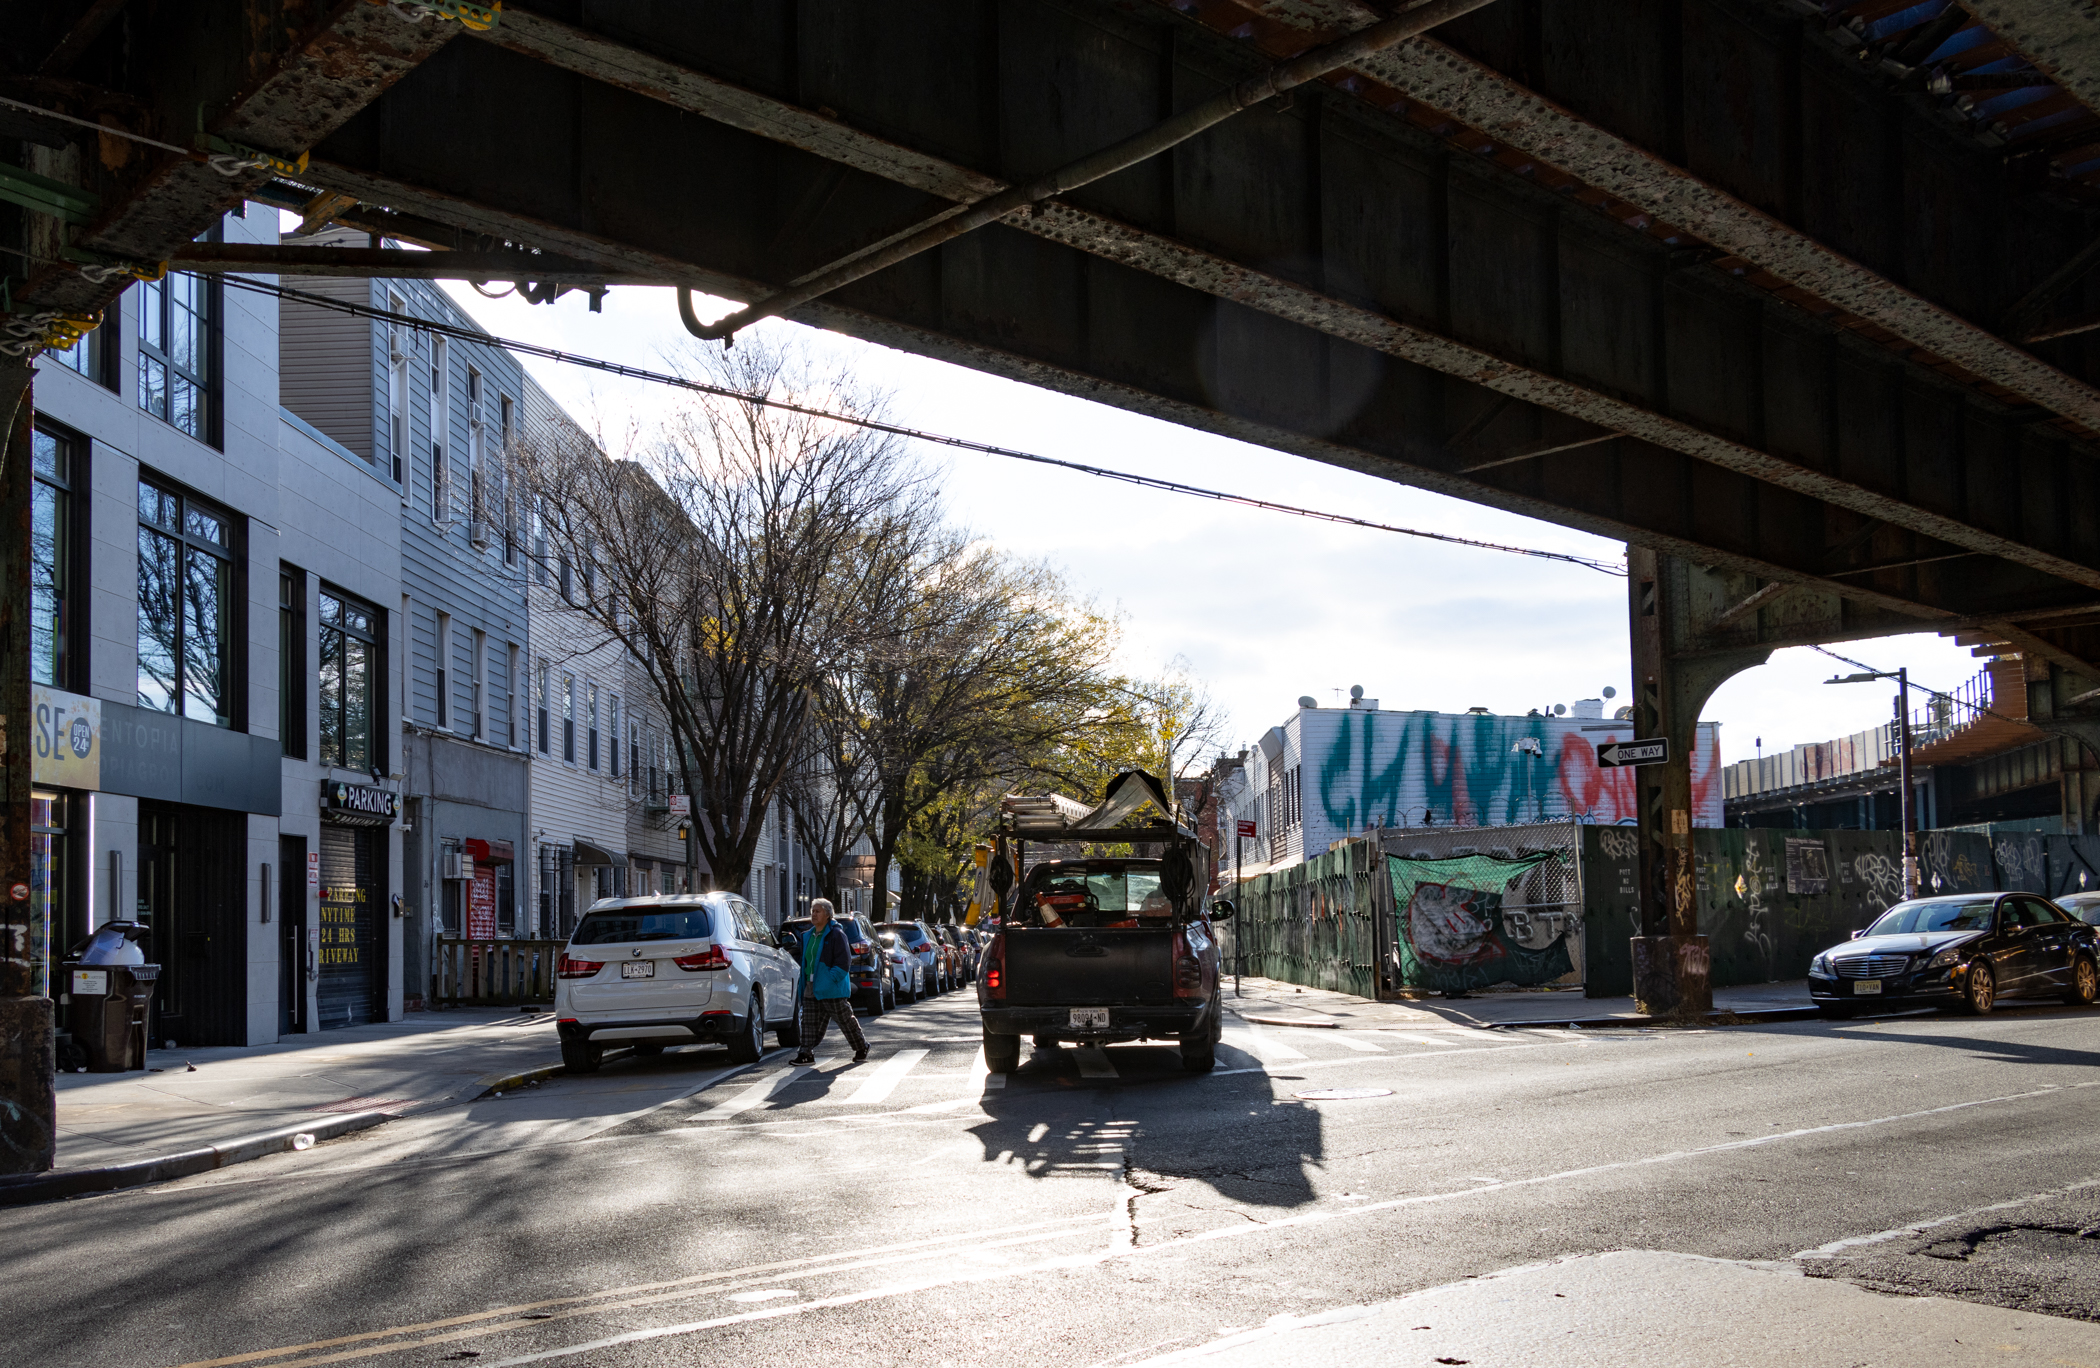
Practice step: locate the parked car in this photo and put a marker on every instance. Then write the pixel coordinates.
(965, 952)
(932, 954)
(908, 967)
(1965, 950)
(670, 970)
(874, 986)
(2084, 906)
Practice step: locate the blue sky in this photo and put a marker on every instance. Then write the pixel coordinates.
(1264, 606)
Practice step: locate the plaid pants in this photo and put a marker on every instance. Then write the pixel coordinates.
(817, 1011)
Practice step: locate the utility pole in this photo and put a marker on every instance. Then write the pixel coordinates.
(1906, 815)
(28, 1076)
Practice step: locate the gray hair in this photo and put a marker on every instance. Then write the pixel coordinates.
(825, 903)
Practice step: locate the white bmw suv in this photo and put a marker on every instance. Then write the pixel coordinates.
(671, 970)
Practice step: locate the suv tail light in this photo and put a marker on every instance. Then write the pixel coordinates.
(576, 968)
(1188, 970)
(992, 973)
(710, 958)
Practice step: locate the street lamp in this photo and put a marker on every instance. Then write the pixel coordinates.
(1904, 817)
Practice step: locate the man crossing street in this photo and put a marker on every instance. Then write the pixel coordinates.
(827, 985)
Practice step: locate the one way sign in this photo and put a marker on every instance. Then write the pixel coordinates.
(1653, 752)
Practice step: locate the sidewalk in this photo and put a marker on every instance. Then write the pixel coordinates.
(1277, 1002)
(428, 1060)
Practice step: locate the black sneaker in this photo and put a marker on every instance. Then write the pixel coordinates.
(803, 1059)
(860, 1056)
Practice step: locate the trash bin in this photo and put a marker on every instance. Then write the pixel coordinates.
(109, 990)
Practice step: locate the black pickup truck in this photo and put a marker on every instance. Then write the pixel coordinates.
(1102, 950)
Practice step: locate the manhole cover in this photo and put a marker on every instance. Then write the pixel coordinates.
(1340, 1094)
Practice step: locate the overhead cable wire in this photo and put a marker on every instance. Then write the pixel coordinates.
(877, 425)
(1921, 688)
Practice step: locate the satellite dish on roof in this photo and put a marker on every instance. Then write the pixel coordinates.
(1559, 709)
(1610, 692)
(1356, 691)
(1308, 701)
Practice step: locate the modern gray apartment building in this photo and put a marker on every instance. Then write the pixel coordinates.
(215, 647)
(437, 413)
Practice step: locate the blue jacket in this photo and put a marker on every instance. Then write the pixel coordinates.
(827, 964)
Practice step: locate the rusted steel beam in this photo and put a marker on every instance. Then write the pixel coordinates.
(472, 217)
(1485, 99)
(331, 69)
(603, 60)
(388, 263)
(2059, 38)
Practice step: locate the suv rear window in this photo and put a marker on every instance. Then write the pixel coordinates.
(622, 924)
(911, 933)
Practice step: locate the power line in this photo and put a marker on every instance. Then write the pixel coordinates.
(895, 429)
(1921, 688)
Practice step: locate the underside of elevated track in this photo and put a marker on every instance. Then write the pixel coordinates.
(1795, 298)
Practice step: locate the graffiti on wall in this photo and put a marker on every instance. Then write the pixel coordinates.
(1413, 769)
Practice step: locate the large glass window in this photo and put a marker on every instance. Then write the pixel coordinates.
(568, 718)
(91, 355)
(291, 661)
(51, 552)
(350, 635)
(178, 347)
(187, 607)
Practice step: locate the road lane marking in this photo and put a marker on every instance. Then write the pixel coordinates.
(1352, 1043)
(887, 1075)
(1243, 1231)
(758, 1092)
(1266, 1048)
(819, 1265)
(1837, 1247)
(1093, 1062)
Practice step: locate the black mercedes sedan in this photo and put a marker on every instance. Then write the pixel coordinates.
(1963, 950)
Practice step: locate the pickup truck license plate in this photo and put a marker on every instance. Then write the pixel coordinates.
(1090, 1016)
(640, 969)
(1866, 987)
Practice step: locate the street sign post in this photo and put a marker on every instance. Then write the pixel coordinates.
(1613, 754)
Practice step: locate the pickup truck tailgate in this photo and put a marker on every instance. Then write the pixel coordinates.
(1066, 966)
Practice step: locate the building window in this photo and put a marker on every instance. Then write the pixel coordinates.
(514, 691)
(444, 669)
(542, 706)
(477, 721)
(93, 355)
(55, 635)
(291, 662)
(397, 389)
(350, 677)
(440, 423)
(188, 608)
(593, 721)
(634, 758)
(509, 501)
(568, 718)
(178, 346)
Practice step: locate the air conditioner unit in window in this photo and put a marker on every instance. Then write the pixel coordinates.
(475, 415)
(478, 534)
(457, 865)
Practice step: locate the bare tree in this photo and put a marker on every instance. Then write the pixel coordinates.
(982, 662)
(727, 556)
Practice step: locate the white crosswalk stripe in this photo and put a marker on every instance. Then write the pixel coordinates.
(1362, 1045)
(886, 1076)
(1263, 1046)
(747, 1098)
(1094, 1062)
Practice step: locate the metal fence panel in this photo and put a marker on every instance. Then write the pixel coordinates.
(492, 973)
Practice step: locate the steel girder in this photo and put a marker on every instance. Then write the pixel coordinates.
(274, 76)
(1367, 230)
(2061, 39)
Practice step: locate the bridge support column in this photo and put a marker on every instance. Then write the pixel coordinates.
(1671, 605)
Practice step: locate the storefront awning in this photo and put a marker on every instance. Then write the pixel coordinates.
(489, 852)
(588, 854)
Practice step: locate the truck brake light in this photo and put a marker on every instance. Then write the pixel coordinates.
(1188, 970)
(992, 973)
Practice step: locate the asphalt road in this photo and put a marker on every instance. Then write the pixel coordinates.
(1098, 1207)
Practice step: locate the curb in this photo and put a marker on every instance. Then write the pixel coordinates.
(505, 1082)
(30, 1189)
(1287, 1021)
(1751, 1018)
